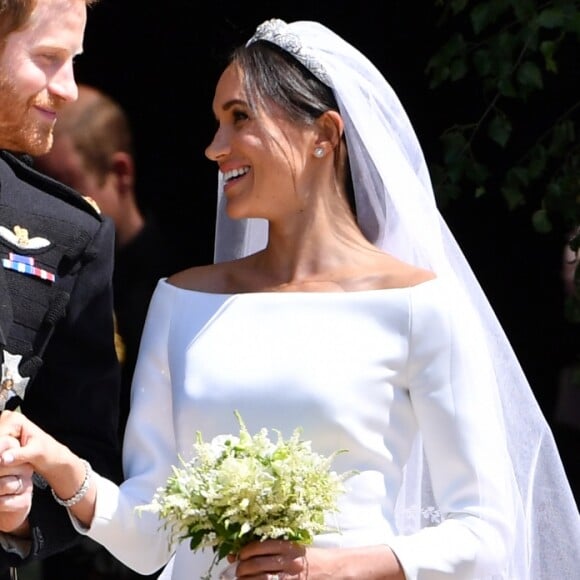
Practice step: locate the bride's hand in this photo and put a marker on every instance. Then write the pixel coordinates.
(288, 561)
(271, 559)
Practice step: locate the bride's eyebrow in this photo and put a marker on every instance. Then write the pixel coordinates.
(233, 103)
(230, 105)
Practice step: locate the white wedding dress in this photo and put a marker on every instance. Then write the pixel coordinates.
(362, 371)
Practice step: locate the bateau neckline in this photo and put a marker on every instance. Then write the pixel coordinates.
(165, 282)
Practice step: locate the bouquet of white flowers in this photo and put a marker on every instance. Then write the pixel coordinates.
(238, 489)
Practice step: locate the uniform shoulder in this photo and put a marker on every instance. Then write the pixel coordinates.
(23, 168)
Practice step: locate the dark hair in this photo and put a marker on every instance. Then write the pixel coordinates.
(273, 77)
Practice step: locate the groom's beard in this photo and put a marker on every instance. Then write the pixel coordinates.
(22, 128)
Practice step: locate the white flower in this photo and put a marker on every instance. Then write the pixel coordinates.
(238, 489)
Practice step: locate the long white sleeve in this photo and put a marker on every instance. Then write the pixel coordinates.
(149, 450)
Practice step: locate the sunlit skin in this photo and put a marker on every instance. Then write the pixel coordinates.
(276, 154)
(36, 74)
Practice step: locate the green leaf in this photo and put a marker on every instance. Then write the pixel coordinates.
(562, 136)
(554, 189)
(482, 62)
(548, 50)
(537, 163)
(224, 549)
(529, 75)
(513, 195)
(541, 221)
(442, 65)
(444, 190)
(572, 23)
(518, 175)
(523, 9)
(505, 45)
(196, 538)
(486, 13)
(448, 192)
(499, 129)
(458, 5)
(458, 69)
(454, 146)
(479, 17)
(476, 172)
(550, 18)
(506, 88)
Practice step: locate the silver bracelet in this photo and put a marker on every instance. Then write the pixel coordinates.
(81, 492)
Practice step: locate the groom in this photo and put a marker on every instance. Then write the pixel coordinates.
(57, 351)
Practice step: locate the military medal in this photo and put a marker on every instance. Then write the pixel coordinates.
(12, 383)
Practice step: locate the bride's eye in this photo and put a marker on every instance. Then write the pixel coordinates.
(239, 115)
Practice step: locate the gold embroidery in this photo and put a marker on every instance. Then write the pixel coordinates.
(21, 236)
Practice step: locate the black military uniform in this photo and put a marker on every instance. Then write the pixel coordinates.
(56, 332)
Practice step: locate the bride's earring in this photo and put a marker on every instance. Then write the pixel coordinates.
(319, 152)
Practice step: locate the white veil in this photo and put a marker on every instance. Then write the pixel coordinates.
(396, 210)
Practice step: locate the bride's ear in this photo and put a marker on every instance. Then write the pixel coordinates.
(331, 128)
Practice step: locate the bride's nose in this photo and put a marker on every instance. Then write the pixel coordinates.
(219, 145)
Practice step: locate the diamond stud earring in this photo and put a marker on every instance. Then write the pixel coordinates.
(319, 152)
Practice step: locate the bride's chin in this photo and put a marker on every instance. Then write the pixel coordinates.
(235, 210)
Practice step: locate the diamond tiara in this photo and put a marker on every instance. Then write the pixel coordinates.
(277, 32)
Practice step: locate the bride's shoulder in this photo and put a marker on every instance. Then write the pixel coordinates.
(413, 276)
(210, 278)
(202, 278)
(393, 273)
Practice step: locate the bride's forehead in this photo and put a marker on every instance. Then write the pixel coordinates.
(230, 84)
